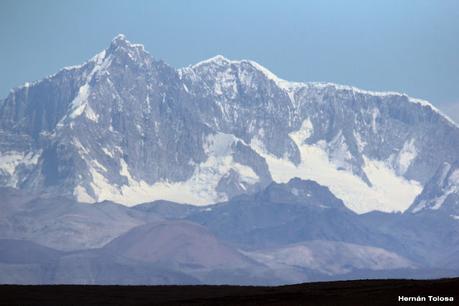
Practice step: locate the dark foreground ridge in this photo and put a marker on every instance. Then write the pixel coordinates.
(361, 292)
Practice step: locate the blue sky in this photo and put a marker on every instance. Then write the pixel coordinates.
(408, 46)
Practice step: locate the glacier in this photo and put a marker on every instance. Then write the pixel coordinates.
(129, 128)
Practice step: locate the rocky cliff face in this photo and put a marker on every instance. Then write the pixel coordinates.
(441, 193)
(129, 128)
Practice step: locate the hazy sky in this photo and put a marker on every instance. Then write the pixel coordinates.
(397, 45)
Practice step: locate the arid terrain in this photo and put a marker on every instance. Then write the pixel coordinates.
(362, 292)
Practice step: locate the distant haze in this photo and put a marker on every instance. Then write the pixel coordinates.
(406, 46)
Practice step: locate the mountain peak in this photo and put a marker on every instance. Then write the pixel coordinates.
(121, 42)
(221, 61)
(300, 191)
(218, 60)
(324, 132)
(123, 49)
(120, 39)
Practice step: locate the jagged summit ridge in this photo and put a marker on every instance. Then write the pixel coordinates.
(128, 128)
(121, 41)
(292, 85)
(120, 38)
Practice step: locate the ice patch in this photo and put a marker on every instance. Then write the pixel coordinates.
(421, 205)
(389, 192)
(339, 152)
(81, 149)
(200, 189)
(90, 114)
(108, 152)
(452, 187)
(304, 132)
(449, 187)
(406, 156)
(79, 103)
(10, 161)
(454, 178)
(374, 116)
(360, 143)
(435, 203)
(438, 202)
(82, 195)
(98, 165)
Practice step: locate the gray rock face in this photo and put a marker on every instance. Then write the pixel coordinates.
(441, 193)
(287, 214)
(299, 211)
(128, 128)
(425, 237)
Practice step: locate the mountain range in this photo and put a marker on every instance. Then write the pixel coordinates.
(127, 170)
(274, 236)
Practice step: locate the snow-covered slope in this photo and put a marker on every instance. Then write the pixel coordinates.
(441, 193)
(129, 128)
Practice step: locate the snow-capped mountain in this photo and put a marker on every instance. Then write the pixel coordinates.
(129, 128)
(441, 193)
